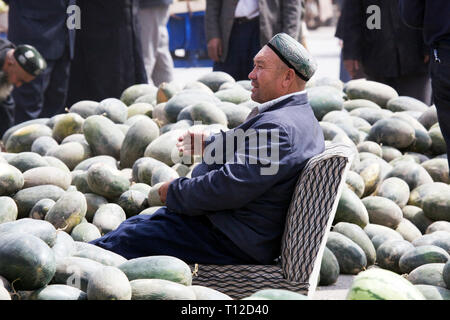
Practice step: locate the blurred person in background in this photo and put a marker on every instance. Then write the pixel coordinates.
(153, 17)
(384, 48)
(19, 65)
(318, 13)
(432, 19)
(344, 76)
(42, 24)
(303, 28)
(108, 52)
(236, 30)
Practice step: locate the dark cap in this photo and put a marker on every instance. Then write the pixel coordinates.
(294, 55)
(30, 59)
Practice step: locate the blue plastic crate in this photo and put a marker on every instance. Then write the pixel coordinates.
(187, 31)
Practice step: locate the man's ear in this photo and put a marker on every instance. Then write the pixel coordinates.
(289, 77)
(10, 60)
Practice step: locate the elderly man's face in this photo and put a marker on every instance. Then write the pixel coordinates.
(267, 76)
(18, 76)
(14, 73)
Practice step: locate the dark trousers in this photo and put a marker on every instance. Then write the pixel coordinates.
(344, 76)
(440, 75)
(46, 95)
(191, 239)
(6, 115)
(243, 46)
(416, 86)
(108, 52)
(103, 70)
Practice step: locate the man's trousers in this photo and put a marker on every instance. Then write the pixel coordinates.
(193, 239)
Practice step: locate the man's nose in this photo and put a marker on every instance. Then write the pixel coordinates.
(251, 75)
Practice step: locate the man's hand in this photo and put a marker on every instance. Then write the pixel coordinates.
(192, 143)
(162, 191)
(426, 58)
(215, 49)
(352, 66)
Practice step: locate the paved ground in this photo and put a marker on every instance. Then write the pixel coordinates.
(337, 291)
(325, 48)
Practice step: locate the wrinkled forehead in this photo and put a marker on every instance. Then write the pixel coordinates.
(267, 56)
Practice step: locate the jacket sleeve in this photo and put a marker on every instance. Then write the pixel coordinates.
(212, 19)
(412, 12)
(353, 25)
(233, 184)
(291, 17)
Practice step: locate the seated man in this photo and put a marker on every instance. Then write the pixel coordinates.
(19, 65)
(233, 208)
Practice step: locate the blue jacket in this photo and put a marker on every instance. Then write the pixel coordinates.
(431, 16)
(153, 3)
(246, 203)
(41, 24)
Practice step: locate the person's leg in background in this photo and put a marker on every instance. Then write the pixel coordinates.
(243, 46)
(344, 76)
(440, 79)
(148, 19)
(55, 94)
(163, 68)
(78, 86)
(416, 86)
(155, 44)
(253, 49)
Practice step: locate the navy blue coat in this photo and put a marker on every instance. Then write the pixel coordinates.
(244, 202)
(41, 24)
(431, 16)
(399, 49)
(108, 53)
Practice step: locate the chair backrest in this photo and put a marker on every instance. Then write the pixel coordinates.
(311, 214)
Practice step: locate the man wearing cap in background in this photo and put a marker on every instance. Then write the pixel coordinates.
(233, 211)
(42, 24)
(18, 66)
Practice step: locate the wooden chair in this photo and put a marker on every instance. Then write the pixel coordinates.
(308, 222)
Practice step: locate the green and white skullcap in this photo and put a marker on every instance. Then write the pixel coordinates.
(294, 55)
(30, 59)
